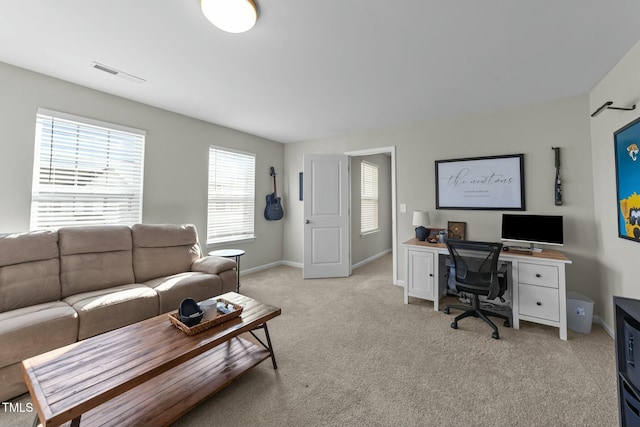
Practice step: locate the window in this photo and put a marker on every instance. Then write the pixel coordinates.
(368, 197)
(231, 195)
(85, 172)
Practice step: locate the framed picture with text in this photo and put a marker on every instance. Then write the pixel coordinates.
(487, 183)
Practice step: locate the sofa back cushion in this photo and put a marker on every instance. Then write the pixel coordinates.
(29, 269)
(163, 249)
(94, 258)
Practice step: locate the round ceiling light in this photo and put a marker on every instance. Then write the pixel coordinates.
(232, 16)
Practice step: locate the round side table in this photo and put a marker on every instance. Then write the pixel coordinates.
(231, 253)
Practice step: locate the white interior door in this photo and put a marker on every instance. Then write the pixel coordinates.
(326, 216)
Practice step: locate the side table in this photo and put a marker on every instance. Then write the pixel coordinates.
(231, 253)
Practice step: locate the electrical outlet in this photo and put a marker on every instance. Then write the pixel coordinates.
(403, 208)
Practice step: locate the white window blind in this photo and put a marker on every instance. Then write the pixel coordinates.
(231, 195)
(368, 197)
(85, 172)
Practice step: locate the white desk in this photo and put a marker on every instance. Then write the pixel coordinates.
(538, 292)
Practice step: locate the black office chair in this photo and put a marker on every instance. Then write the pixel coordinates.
(477, 273)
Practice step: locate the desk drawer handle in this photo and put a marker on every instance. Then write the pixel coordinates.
(538, 303)
(538, 275)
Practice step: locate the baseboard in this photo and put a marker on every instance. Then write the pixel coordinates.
(608, 329)
(261, 267)
(370, 259)
(300, 265)
(292, 264)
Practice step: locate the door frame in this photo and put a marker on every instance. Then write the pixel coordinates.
(394, 235)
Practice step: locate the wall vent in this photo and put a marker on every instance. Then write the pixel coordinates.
(118, 73)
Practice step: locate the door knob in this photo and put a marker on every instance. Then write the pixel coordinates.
(306, 221)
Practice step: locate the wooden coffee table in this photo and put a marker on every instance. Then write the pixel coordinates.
(148, 373)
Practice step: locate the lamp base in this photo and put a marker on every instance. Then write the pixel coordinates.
(422, 233)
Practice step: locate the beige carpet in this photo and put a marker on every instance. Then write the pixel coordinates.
(350, 353)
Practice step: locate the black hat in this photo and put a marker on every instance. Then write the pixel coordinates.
(190, 312)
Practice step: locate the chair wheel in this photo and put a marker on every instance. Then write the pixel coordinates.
(446, 311)
(454, 325)
(495, 335)
(507, 323)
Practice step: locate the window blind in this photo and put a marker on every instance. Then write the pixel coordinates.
(368, 197)
(231, 204)
(85, 172)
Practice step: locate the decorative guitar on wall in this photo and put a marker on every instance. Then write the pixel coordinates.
(273, 211)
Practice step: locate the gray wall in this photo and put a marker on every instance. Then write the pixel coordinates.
(617, 257)
(531, 130)
(372, 244)
(176, 168)
(176, 156)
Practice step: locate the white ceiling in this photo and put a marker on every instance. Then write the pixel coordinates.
(316, 68)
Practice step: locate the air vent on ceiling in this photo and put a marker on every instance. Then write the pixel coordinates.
(118, 73)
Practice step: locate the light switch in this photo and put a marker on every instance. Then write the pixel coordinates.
(403, 208)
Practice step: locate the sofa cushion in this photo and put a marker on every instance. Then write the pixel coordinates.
(13, 384)
(108, 309)
(161, 250)
(163, 235)
(173, 289)
(229, 280)
(97, 238)
(94, 258)
(37, 329)
(29, 246)
(213, 264)
(29, 269)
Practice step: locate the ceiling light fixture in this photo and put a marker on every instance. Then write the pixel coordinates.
(232, 16)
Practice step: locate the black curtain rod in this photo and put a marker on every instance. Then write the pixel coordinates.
(608, 106)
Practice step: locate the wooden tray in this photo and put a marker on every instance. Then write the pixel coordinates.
(211, 318)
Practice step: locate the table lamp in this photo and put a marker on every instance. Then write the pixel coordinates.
(420, 220)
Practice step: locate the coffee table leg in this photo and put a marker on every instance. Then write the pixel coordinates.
(268, 346)
(75, 422)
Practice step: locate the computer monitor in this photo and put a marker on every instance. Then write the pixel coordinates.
(532, 229)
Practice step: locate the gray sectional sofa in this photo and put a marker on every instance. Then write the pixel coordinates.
(57, 287)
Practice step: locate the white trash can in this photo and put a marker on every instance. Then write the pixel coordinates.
(579, 312)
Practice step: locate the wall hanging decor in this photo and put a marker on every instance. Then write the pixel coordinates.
(457, 230)
(626, 142)
(557, 183)
(490, 183)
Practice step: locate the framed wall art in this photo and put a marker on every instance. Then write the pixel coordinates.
(626, 142)
(457, 230)
(495, 182)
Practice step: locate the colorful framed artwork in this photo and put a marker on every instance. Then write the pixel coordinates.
(626, 141)
(456, 230)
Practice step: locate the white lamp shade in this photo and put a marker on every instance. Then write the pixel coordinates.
(232, 16)
(421, 218)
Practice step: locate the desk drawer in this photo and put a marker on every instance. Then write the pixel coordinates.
(536, 274)
(539, 301)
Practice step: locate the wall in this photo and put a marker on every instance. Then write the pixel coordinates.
(617, 257)
(176, 156)
(371, 244)
(531, 130)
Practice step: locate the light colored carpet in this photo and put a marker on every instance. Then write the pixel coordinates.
(350, 353)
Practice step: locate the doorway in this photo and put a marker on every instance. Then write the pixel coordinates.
(391, 153)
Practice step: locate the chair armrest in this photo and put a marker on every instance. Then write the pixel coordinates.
(213, 264)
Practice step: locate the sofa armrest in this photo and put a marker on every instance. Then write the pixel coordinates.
(213, 264)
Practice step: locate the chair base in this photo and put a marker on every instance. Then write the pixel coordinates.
(476, 311)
